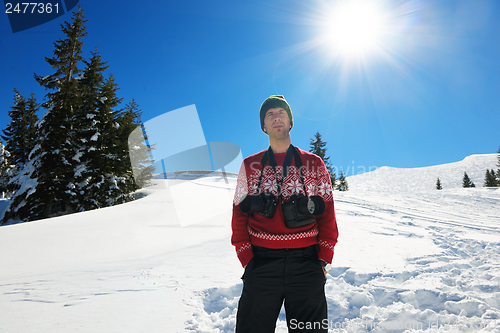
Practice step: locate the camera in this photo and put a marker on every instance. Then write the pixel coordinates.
(300, 210)
(264, 204)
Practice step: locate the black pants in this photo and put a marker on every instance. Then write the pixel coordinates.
(292, 275)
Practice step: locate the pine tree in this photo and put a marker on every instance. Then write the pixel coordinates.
(103, 175)
(498, 170)
(55, 172)
(20, 135)
(5, 169)
(438, 185)
(490, 178)
(81, 160)
(116, 189)
(318, 146)
(342, 183)
(466, 182)
(46, 178)
(84, 134)
(129, 119)
(90, 132)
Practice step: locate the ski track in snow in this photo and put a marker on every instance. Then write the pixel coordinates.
(421, 261)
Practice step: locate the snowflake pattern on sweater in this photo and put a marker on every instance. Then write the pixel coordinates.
(316, 183)
(254, 229)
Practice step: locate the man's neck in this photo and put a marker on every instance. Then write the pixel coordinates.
(280, 145)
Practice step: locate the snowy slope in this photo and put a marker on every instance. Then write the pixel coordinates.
(388, 179)
(419, 260)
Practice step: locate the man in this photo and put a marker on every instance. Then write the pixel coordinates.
(284, 249)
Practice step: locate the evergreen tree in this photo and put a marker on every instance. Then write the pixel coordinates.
(498, 170)
(5, 168)
(490, 178)
(115, 175)
(20, 135)
(128, 120)
(47, 177)
(103, 175)
(90, 132)
(318, 146)
(438, 185)
(466, 182)
(55, 172)
(342, 183)
(81, 160)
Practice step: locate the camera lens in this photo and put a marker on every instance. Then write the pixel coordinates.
(313, 205)
(263, 204)
(316, 205)
(251, 204)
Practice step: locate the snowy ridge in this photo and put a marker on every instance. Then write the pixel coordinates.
(423, 179)
(193, 174)
(421, 261)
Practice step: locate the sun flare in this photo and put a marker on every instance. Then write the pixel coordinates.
(354, 27)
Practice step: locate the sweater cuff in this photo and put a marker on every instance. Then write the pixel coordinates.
(325, 251)
(244, 253)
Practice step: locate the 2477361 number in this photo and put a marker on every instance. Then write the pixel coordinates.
(31, 7)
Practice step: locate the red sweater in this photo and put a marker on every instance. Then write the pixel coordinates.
(255, 229)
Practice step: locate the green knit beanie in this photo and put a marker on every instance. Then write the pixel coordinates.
(275, 101)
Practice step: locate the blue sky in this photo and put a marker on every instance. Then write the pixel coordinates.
(428, 93)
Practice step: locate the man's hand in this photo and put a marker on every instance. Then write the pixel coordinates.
(323, 264)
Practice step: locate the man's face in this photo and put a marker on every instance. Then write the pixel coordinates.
(276, 122)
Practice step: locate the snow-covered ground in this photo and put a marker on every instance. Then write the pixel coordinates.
(409, 258)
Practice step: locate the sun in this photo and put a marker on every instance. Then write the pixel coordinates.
(354, 28)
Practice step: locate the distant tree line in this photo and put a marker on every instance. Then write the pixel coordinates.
(318, 146)
(491, 178)
(76, 156)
